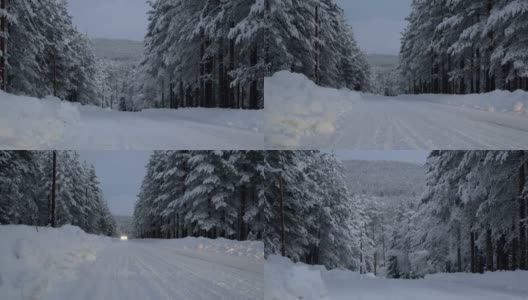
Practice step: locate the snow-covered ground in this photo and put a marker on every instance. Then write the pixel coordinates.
(66, 263)
(29, 123)
(288, 281)
(300, 114)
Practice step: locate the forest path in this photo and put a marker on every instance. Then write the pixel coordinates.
(151, 269)
(401, 289)
(401, 123)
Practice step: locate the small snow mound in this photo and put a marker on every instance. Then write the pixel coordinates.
(296, 107)
(286, 280)
(518, 107)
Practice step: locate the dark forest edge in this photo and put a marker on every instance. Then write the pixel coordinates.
(52, 188)
(207, 54)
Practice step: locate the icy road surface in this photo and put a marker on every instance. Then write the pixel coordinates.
(155, 270)
(39, 124)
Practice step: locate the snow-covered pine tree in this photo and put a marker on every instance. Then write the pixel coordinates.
(200, 193)
(312, 37)
(47, 56)
(203, 53)
(465, 46)
(26, 187)
(471, 218)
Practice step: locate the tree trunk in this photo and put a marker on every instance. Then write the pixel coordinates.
(489, 251)
(53, 185)
(522, 214)
(281, 203)
(3, 46)
(473, 257)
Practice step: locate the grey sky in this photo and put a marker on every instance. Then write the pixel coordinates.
(377, 24)
(418, 157)
(125, 19)
(120, 174)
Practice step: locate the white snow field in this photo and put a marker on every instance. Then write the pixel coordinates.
(288, 281)
(300, 114)
(28, 123)
(66, 263)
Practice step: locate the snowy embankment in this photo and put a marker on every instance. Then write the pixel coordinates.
(289, 281)
(47, 263)
(296, 107)
(30, 123)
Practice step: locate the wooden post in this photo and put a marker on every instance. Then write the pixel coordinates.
(281, 198)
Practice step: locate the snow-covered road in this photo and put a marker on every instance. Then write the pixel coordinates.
(401, 124)
(28, 123)
(154, 270)
(385, 289)
(302, 115)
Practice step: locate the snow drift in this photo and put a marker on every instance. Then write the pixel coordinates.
(289, 281)
(29, 123)
(296, 107)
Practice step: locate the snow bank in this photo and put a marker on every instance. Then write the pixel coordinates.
(286, 280)
(507, 281)
(32, 259)
(496, 101)
(249, 249)
(289, 281)
(296, 107)
(28, 123)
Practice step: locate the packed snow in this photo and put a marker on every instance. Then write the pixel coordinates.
(29, 123)
(286, 280)
(66, 263)
(300, 114)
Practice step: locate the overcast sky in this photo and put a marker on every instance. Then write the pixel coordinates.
(126, 19)
(120, 174)
(418, 157)
(377, 24)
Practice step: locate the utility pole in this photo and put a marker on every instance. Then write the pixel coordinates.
(53, 183)
(281, 198)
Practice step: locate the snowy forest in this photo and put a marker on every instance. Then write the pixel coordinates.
(197, 53)
(202, 193)
(471, 216)
(312, 37)
(460, 47)
(52, 188)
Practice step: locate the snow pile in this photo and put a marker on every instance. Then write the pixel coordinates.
(28, 123)
(32, 261)
(32, 123)
(496, 101)
(249, 249)
(286, 280)
(296, 107)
